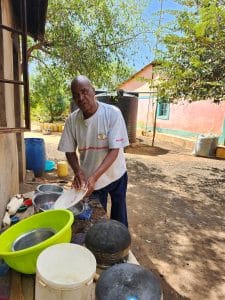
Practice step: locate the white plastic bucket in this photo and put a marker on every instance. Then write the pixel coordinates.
(65, 271)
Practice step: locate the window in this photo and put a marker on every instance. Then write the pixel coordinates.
(163, 110)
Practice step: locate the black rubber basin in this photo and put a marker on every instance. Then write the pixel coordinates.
(109, 241)
(128, 281)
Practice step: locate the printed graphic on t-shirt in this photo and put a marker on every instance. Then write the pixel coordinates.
(102, 136)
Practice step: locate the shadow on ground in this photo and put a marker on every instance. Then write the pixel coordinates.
(144, 149)
(176, 212)
(177, 221)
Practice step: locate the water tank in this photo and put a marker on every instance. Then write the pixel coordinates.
(128, 104)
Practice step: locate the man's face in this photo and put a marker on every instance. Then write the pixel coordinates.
(84, 96)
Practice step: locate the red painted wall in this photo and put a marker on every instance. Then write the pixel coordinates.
(198, 117)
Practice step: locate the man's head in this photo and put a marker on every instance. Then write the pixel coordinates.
(84, 95)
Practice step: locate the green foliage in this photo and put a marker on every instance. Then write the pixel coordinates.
(49, 94)
(193, 64)
(93, 37)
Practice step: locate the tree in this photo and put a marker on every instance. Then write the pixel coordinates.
(193, 64)
(49, 94)
(92, 37)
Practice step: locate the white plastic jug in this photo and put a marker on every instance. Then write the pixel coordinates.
(65, 272)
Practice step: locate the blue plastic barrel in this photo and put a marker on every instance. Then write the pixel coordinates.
(35, 155)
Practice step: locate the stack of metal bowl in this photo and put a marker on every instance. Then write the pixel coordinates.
(46, 196)
(49, 188)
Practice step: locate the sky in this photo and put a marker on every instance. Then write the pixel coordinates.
(145, 55)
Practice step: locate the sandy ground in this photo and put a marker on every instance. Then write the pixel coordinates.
(176, 216)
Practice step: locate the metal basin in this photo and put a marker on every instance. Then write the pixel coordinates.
(32, 238)
(77, 209)
(49, 188)
(45, 201)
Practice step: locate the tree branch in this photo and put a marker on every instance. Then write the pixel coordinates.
(41, 61)
(39, 46)
(124, 40)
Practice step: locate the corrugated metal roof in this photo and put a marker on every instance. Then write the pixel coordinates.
(36, 17)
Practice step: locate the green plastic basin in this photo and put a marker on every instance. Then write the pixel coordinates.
(24, 261)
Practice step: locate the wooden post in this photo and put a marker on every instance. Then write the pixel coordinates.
(3, 122)
(154, 125)
(16, 292)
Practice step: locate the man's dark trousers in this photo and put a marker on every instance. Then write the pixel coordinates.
(117, 191)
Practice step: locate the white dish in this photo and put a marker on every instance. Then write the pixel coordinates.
(69, 198)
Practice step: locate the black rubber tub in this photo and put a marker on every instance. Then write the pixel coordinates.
(128, 282)
(109, 241)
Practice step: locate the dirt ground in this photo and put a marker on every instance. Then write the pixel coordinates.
(176, 216)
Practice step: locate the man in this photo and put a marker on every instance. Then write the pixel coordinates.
(97, 130)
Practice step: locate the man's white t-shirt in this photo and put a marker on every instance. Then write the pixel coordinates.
(93, 137)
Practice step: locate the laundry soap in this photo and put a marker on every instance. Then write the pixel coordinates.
(6, 220)
(14, 204)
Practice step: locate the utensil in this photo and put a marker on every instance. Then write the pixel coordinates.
(77, 209)
(44, 201)
(69, 198)
(32, 238)
(49, 188)
(24, 260)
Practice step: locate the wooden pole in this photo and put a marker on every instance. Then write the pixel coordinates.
(154, 125)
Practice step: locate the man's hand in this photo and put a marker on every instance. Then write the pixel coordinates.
(79, 180)
(107, 162)
(90, 185)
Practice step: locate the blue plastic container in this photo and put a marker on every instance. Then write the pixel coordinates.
(35, 155)
(49, 165)
(4, 268)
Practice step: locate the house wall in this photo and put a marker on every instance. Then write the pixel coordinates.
(185, 119)
(137, 83)
(9, 178)
(145, 117)
(145, 114)
(197, 117)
